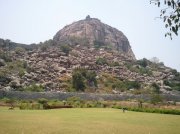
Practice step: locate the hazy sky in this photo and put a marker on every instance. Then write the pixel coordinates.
(34, 21)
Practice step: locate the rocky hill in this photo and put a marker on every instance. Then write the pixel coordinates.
(92, 31)
(88, 56)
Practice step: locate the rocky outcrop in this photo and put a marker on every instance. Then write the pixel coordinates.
(88, 40)
(91, 31)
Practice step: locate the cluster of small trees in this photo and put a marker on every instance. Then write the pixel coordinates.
(82, 78)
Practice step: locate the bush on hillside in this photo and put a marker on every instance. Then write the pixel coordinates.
(32, 88)
(101, 61)
(66, 49)
(83, 78)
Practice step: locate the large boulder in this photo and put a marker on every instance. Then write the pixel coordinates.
(92, 31)
(2, 62)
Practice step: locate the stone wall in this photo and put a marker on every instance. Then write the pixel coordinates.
(84, 96)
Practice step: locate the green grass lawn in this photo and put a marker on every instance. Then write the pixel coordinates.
(86, 121)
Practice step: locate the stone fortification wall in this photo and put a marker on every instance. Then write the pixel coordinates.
(84, 96)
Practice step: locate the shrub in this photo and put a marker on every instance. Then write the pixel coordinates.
(42, 100)
(78, 81)
(155, 98)
(143, 62)
(91, 78)
(5, 57)
(21, 73)
(23, 106)
(101, 61)
(4, 79)
(144, 71)
(156, 87)
(44, 47)
(133, 84)
(32, 88)
(173, 85)
(66, 49)
(30, 106)
(19, 50)
(114, 64)
(126, 85)
(82, 78)
(153, 110)
(36, 106)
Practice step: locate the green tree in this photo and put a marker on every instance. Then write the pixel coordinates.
(66, 49)
(87, 77)
(91, 78)
(78, 81)
(143, 62)
(170, 15)
(44, 47)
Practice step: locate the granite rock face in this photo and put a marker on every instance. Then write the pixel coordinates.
(88, 41)
(90, 31)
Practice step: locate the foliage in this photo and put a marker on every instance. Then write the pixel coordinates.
(82, 78)
(138, 67)
(143, 62)
(153, 110)
(65, 48)
(170, 15)
(110, 82)
(156, 98)
(133, 84)
(5, 57)
(78, 81)
(32, 88)
(19, 50)
(4, 79)
(21, 72)
(10, 101)
(172, 84)
(176, 74)
(101, 61)
(156, 87)
(91, 78)
(30, 106)
(114, 64)
(49, 42)
(44, 47)
(126, 85)
(17, 67)
(145, 71)
(76, 102)
(42, 100)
